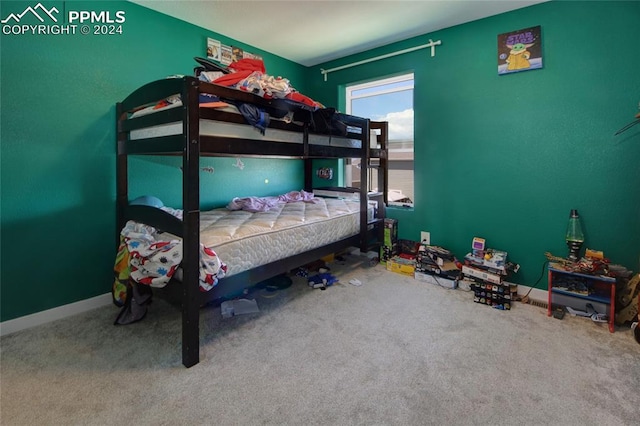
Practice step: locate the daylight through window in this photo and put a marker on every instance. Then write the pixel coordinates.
(391, 100)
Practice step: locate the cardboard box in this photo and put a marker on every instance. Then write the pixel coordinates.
(409, 247)
(401, 266)
(390, 232)
(496, 259)
(446, 269)
(480, 274)
(387, 252)
(435, 279)
(329, 258)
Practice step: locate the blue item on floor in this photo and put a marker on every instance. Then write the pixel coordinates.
(324, 278)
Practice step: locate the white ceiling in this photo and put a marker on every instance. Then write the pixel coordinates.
(310, 32)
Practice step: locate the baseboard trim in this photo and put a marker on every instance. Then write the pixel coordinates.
(39, 318)
(533, 293)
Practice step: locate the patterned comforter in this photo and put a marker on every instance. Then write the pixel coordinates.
(150, 257)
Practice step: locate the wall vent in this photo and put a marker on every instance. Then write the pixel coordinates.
(538, 303)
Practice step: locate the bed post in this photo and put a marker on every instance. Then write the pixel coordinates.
(191, 224)
(364, 187)
(308, 162)
(122, 180)
(308, 174)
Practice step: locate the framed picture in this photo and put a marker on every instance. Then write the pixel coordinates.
(213, 49)
(520, 50)
(237, 53)
(225, 55)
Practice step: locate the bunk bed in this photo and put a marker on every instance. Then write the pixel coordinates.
(191, 131)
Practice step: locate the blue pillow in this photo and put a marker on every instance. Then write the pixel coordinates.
(148, 200)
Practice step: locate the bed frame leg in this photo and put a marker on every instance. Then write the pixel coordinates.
(190, 337)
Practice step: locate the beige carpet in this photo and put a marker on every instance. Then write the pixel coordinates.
(393, 351)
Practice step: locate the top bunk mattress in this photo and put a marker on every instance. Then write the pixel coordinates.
(244, 240)
(217, 128)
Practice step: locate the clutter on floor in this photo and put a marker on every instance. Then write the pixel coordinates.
(322, 280)
(559, 312)
(390, 240)
(626, 294)
(437, 265)
(355, 282)
(592, 283)
(402, 265)
(487, 269)
(484, 271)
(230, 308)
(279, 282)
(589, 313)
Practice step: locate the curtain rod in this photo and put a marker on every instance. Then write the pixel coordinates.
(432, 44)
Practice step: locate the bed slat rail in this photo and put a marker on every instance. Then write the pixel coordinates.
(169, 145)
(324, 151)
(234, 146)
(346, 189)
(236, 284)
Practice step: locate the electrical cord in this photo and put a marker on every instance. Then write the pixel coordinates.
(429, 261)
(435, 277)
(544, 267)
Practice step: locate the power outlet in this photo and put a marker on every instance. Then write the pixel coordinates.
(425, 237)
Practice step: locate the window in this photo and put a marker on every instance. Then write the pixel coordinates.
(391, 100)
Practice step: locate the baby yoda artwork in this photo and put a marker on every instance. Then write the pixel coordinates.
(520, 50)
(518, 56)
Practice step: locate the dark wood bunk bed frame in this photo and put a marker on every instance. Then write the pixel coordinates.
(191, 145)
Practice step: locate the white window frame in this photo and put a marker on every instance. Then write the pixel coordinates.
(349, 97)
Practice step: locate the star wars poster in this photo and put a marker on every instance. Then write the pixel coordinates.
(520, 50)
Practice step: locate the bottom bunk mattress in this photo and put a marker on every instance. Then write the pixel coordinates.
(233, 241)
(245, 240)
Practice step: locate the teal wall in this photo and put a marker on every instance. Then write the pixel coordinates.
(507, 157)
(58, 149)
(502, 157)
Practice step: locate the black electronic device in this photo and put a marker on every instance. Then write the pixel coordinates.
(210, 65)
